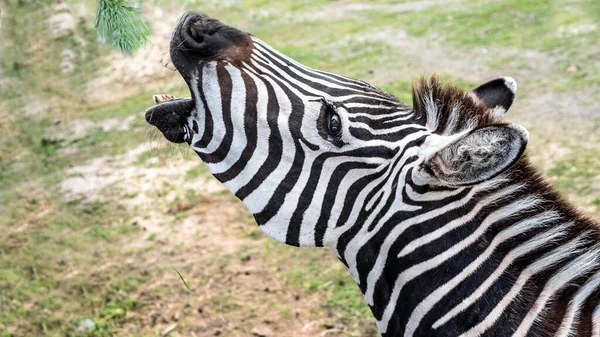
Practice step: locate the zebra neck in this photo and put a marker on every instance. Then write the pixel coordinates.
(473, 259)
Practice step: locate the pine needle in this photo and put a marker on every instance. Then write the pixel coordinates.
(119, 24)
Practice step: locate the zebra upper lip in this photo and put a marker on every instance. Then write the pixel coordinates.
(167, 62)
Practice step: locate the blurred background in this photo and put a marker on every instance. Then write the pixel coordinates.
(98, 214)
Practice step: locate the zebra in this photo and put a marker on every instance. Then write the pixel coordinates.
(434, 208)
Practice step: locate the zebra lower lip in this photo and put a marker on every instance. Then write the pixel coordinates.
(169, 116)
(174, 136)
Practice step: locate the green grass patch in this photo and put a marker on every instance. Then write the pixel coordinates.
(529, 23)
(52, 260)
(145, 157)
(321, 272)
(564, 29)
(31, 55)
(135, 104)
(572, 174)
(45, 161)
(196, 172)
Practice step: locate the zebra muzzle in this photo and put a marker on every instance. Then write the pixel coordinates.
(170, 115)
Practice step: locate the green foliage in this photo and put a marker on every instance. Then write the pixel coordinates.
(120, 25)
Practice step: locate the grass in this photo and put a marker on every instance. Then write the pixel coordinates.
(42, 257)
(323, 275)
(30, 56)
(63, 261)
(46, 162)
(574, 175)
(123, 108)
(562, 28)
(529, 24)
(50, 246)
(196, 172)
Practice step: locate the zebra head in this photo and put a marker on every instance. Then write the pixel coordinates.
(318, 157)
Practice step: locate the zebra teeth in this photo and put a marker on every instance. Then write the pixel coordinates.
(160, 98)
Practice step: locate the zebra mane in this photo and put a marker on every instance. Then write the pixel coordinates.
(446, 109)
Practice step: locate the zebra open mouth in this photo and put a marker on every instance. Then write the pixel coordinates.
(170, 115)
(196, 40)
(162, 98)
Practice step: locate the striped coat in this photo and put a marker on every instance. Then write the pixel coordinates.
(433, 208)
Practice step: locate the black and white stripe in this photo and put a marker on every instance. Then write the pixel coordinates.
(491, 254)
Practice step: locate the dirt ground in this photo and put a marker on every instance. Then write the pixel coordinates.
(207, 240)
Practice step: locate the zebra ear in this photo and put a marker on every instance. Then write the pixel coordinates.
(497, 95)
(479, 155)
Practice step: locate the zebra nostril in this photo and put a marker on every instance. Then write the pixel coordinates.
(198, 36)
(196, 33)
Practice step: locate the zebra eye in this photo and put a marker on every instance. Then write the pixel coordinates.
(334, 125)
(329, 123)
